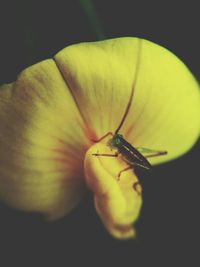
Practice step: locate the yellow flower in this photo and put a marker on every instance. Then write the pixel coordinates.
(50, 115)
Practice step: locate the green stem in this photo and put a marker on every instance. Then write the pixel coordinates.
(90, 12)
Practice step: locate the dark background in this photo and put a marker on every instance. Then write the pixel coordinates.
(167, 228)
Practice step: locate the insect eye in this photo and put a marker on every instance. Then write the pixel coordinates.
(118, 141)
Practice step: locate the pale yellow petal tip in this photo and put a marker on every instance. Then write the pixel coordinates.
(117, 202)
(122, 232)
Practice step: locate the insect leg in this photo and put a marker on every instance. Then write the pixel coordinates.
(135, 187)
(126, 169)
(158, 153)
(107, 155)
(148, 153)
(104, 136)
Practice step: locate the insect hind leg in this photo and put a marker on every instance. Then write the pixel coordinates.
(158, 153)
(148, 153)
(136, 184)
(124, 170)
(135, 187)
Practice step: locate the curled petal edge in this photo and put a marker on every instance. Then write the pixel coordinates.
(116, 201)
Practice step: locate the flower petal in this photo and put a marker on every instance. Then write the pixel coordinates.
(116, 201)
(42, 143)
(100, 75)
(165, 113)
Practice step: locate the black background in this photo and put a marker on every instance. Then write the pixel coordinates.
(167, 228)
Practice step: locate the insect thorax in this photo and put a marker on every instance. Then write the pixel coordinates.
(116, 141)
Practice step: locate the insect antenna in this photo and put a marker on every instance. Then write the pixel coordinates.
(132, 89)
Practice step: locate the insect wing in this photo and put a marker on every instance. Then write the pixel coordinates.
(132, 155)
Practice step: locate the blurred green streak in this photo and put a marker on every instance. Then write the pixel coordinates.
(90, 12)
